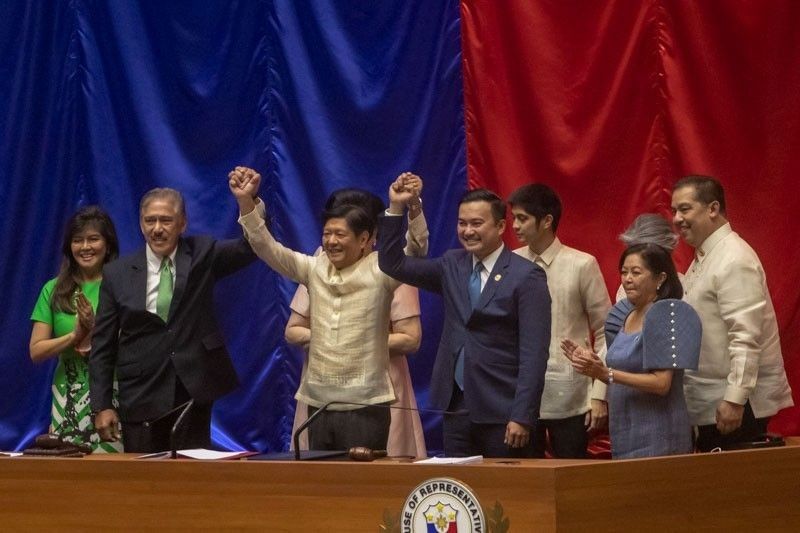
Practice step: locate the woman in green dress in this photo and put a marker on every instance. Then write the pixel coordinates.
(63, 319)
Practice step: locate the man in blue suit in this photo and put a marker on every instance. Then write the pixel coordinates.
(492, 356)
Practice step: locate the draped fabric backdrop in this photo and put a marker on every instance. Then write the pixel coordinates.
(101, 101)
(609, 102)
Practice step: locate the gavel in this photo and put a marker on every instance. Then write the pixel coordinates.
(50, 441)
(364, 454)
(54, 446)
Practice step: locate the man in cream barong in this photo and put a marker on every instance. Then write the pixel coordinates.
(740, 382)
(350, 300)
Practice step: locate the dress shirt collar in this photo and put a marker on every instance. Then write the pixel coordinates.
(712, 240)
(154, 260)
(549, 254)
(489, 260)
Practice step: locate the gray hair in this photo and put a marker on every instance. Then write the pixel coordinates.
(164, 193)
(650, 228)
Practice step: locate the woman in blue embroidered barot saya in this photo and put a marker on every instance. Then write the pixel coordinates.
(652, 337)
(62, 323)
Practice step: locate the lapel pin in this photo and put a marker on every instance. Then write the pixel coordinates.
(497, 277)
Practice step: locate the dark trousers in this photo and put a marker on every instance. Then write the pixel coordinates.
(709, 437)
(568, 437)
(463, 437)
(342, 430)
(194, 432)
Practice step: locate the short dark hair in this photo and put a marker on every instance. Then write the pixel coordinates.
(68, 279)
(706, 190)
(538, 200)
(485, 195)
(657, 260)
(163, 193)
(369, 202)
(357, 218)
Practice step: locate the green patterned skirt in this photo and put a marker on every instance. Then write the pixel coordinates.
(71, 413)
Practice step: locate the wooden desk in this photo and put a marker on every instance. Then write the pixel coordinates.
(733, 491)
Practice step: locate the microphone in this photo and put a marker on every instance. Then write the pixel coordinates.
(307, 422)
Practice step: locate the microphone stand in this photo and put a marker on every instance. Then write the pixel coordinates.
(304, 425)
(184, 408)
(173, 444)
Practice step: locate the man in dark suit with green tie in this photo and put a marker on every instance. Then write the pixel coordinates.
(155, 332)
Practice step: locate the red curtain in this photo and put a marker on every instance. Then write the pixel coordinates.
(611, 102)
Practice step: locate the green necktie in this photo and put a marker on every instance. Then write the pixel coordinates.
(164, 296)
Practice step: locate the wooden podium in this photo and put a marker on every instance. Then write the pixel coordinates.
(731, 491)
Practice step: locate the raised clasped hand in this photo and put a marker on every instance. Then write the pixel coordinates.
(405, 189)
(244, 182)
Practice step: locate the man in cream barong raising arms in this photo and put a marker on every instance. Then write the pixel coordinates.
(350, 300)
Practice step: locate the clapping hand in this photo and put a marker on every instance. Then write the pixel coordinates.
(83, 324)
(583, 360)
(85, 311)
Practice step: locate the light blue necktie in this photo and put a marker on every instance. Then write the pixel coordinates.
(474, 297)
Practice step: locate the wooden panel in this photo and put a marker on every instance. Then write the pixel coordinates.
(279, 496)
(731, 491)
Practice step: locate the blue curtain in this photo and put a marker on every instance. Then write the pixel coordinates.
(101, 101)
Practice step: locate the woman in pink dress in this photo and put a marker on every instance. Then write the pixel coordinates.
(406, 437)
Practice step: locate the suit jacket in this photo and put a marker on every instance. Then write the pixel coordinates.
(146, 353)
(505, 338)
